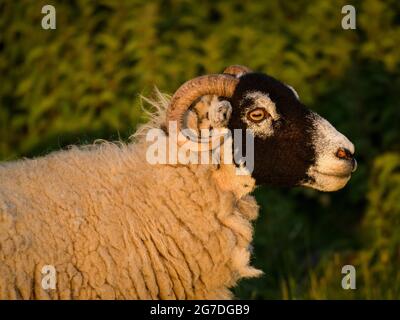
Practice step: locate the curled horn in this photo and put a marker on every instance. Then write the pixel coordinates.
(215, 84)
(237, 70)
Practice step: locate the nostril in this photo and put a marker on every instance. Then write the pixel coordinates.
(343, 153)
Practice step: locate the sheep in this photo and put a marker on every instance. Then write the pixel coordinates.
(113, 225)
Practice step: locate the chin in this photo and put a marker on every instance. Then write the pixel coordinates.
(327, 182)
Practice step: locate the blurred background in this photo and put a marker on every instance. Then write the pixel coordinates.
(81, 82)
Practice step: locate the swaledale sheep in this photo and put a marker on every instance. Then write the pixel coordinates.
(115, 226)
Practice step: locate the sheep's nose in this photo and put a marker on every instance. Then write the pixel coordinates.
(345, 154)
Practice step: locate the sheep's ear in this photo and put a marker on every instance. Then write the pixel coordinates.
(191, 120)
(196, 118)
(219, 112)
(237, 70)
(209, 112)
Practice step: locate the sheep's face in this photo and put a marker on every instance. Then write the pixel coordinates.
(292, 144)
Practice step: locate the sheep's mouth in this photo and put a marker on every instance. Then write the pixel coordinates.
(340, 175)
(327, 181)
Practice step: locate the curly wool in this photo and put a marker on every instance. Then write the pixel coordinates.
(116, 227)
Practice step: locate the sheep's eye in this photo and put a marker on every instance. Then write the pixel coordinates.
(257, 115)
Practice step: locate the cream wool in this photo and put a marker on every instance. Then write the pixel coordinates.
(116, 227)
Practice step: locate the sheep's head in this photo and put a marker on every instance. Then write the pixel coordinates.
(292, 144)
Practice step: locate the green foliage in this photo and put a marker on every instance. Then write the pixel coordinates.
(81, 82)
(377, 261)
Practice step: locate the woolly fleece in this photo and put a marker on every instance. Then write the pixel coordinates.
(116, 227)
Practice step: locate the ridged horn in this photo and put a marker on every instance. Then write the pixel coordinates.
(222, 85)
(237, 70)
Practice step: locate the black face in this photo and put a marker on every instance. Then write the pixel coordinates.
(282, 158)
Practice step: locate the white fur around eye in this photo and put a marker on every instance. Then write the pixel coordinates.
(264, 128)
